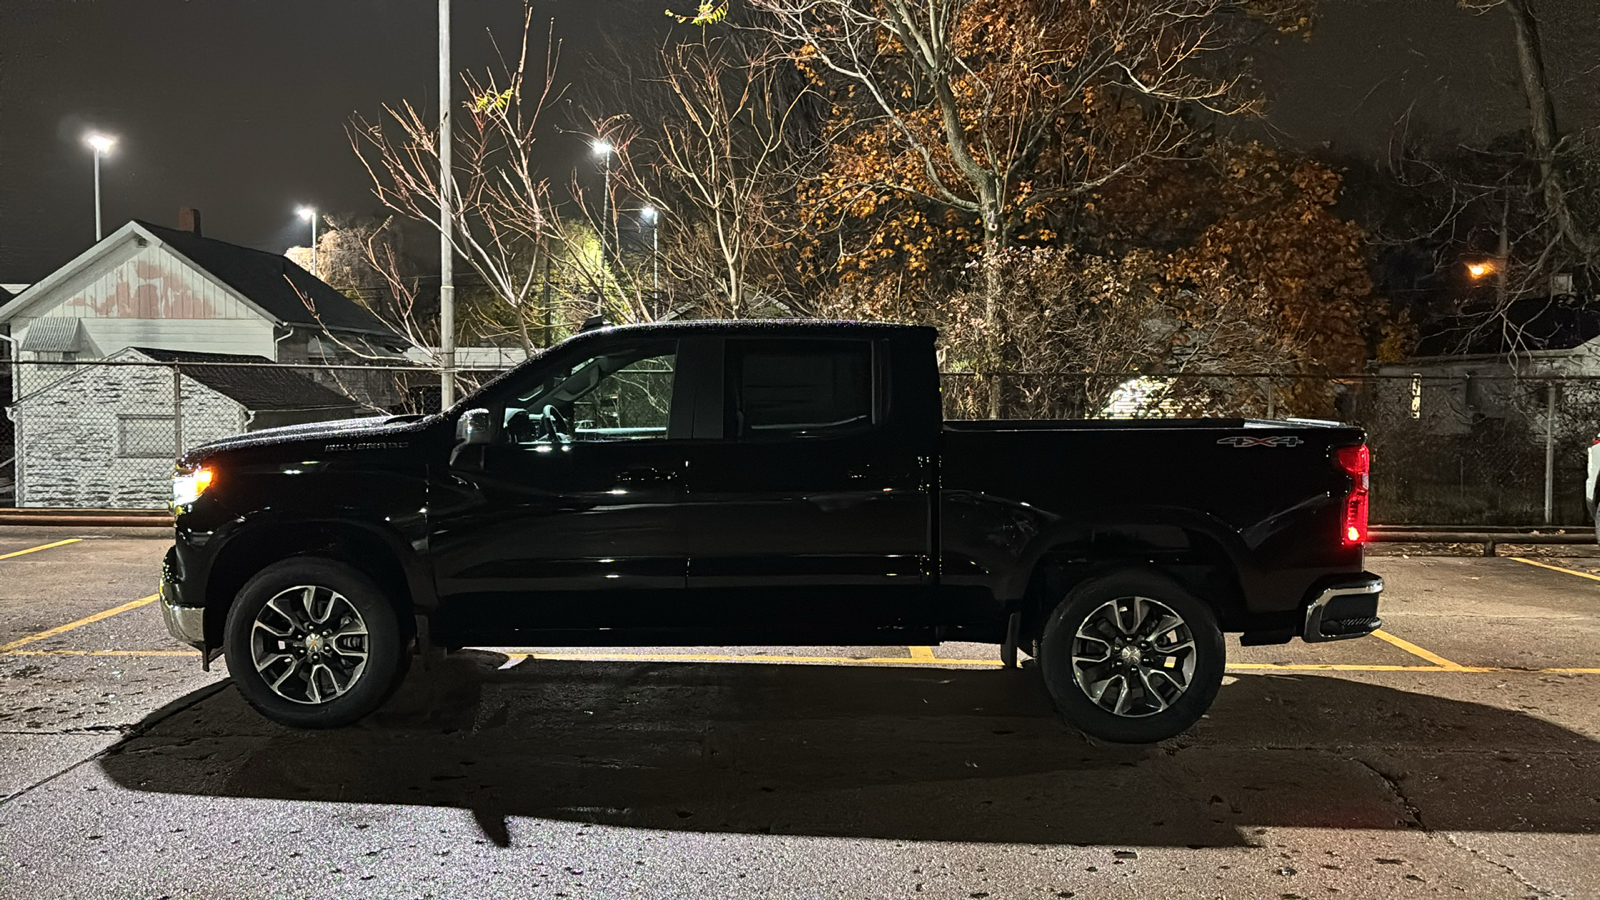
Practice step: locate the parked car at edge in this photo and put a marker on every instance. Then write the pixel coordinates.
(765, 483)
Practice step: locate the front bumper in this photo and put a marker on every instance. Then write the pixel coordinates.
(186, 623)
(1345, 609)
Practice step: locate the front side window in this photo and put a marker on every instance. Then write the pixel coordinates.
(620, 395)
(796, 389)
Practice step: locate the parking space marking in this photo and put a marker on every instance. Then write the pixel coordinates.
(62, 629)
(1541, 565)
(1416, 651)
(100, 653)
(40, 547)
(515, 659)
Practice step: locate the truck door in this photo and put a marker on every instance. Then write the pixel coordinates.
(572, 516)
(808, 511)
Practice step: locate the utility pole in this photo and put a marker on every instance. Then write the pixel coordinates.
(447, 286)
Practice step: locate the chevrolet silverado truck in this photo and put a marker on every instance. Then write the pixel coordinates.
(772, 483)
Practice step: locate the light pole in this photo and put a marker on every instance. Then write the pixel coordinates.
(447, 277)
(102, 145)
(649, 214)
(309, 213)
(603, 149)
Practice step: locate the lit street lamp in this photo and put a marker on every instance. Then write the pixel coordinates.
(603, 149)
(649, 214)
(102, 145)
(309, 213)
(1479, 269)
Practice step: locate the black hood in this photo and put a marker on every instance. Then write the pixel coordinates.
(372, 430)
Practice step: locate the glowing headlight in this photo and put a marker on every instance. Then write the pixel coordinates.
(188, 486)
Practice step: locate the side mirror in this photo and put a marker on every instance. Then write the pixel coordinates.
(472, 428)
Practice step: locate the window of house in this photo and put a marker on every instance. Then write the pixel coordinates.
(790, 389)
(143, 437)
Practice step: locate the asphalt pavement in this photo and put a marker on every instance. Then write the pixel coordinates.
(1455, 754)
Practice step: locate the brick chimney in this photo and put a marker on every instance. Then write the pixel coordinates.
(189, 220)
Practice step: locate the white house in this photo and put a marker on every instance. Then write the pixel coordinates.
(104, 436)
(173, 291)
(149, 286)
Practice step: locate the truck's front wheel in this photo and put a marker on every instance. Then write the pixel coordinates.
(1131, 656)
(312, 643)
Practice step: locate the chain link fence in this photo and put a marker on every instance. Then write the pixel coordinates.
(1448, 449)
(1453, 450)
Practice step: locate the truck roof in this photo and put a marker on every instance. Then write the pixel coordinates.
(763, 327)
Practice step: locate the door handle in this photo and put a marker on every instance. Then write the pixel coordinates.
(643, 475)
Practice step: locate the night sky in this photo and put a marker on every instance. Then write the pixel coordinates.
(238, 107)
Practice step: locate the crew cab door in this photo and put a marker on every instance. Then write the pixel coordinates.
(808, 514)
(571, 517)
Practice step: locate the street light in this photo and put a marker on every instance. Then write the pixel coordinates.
(309, 213)
(102, 144)
(603, 149)
(1480, 269)
(649, 214)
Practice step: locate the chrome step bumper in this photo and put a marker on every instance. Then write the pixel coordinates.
(1345, 610)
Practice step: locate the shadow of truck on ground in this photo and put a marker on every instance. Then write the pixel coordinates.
(893, 753)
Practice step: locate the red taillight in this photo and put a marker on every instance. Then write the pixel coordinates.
(1357, 463)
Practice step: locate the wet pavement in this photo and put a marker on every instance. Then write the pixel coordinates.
(1458, 757)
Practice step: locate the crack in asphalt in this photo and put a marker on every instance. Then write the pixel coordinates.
(131, 731)
(1413, 812)
(1508, 869)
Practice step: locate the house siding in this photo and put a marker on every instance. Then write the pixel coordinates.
(68, 437)
(145, 296)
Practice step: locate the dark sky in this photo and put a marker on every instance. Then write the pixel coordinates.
(238, 107)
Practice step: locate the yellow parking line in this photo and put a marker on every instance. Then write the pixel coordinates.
(100, 653)
(1546, 566)
(515, 658)
(733, 658)
(1416, 651)
(40, 547)
(62, 629)
(923, 653)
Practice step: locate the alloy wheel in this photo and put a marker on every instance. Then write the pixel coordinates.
(1133, 656)
(309, 644)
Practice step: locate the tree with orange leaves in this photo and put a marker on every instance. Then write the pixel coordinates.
(981, 114)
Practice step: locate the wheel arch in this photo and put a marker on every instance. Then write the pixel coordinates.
(1191, 556)
(371, 551)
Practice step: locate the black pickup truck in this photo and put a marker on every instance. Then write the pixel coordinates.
(770, 483)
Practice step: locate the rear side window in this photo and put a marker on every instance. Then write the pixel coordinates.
(798, 388)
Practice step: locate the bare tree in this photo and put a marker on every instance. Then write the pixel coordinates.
(503, 218)
(996, 108)
(1549, 143)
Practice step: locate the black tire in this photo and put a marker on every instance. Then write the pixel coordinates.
(312, 666)
(1157, 707)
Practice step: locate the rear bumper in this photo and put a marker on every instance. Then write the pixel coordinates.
(186, 623)
(1345, 609)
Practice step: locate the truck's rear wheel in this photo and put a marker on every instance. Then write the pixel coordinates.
(313, 643)
(1131, 656)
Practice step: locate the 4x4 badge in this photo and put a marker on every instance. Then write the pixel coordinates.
(1240, 440)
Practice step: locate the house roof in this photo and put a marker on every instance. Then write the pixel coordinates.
(265, 386)
(274, 283)
(1530, 324)
(52, 334)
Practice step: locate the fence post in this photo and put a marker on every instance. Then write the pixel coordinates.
(1272, 408)
(177, 410)
(1550, 451)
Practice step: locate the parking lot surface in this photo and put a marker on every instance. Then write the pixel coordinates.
(1455, 754)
